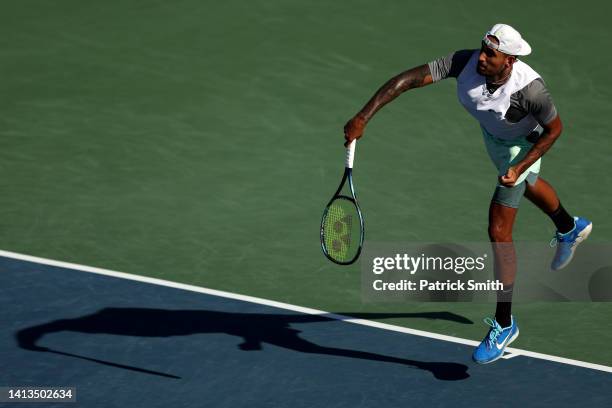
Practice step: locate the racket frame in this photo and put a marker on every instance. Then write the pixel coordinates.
(348, 175)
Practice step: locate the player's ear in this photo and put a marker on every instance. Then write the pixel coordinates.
(510, 60)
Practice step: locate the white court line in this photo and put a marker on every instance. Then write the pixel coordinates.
(306, 310)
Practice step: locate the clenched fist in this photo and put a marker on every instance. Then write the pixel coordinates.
(509, 178)
(354, 129)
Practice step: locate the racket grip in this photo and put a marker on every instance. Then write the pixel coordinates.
(350, 154)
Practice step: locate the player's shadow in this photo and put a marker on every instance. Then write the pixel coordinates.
(255, 329)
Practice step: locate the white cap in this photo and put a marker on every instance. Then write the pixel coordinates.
(510, 40)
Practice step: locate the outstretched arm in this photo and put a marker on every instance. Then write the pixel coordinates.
(413, 78)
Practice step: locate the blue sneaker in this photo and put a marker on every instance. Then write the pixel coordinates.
(566, 243)
(495, 342)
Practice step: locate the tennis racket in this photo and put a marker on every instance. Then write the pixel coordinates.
(342, 229)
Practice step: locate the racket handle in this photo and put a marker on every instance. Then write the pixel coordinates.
(350, 154)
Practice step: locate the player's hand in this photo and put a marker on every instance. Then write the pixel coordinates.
(508, 179)
(354, 129)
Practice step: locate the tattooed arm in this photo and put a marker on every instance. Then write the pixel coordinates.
(413, 78)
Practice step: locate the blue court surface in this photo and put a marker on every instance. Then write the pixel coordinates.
(125, 343)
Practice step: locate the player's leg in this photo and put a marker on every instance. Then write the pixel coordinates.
(502, 213)
(543, 196)
(501, 221)
(570, 230)
(503, 329)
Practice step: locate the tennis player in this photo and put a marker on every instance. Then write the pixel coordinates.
(519, 124)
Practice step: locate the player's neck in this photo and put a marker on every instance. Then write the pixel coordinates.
(500, 78)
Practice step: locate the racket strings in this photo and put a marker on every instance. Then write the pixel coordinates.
(340, 239)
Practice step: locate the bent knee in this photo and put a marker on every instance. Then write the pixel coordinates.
(499, 232)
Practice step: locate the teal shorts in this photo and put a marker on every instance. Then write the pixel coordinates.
(505, 153)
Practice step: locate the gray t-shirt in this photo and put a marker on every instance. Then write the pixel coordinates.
(533, 99)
